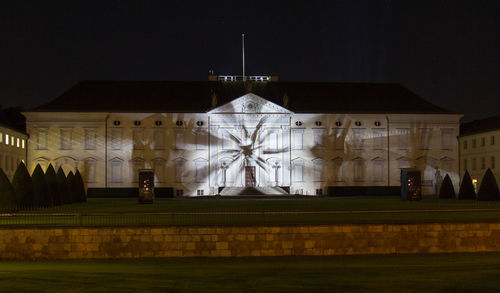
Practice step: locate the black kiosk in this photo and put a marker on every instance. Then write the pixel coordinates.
(411, 186)
(146, 186)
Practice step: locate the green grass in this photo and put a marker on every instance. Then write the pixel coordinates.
(377, 273)
(107, 212)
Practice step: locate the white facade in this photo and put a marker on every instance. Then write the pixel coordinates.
(197, 153)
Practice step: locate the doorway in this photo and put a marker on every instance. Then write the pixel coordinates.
(250, 176)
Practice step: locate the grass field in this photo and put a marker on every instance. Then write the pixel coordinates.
(376, 273)
(125, 212)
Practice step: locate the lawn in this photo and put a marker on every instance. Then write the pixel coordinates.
(375, 273)
(127, 212)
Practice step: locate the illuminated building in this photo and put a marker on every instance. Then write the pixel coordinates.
(12, 149)
(480, 148)
(200, 136)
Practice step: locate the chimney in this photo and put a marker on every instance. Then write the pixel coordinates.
(285, 100)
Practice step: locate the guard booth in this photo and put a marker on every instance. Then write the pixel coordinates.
(146, 186)
(411, 185)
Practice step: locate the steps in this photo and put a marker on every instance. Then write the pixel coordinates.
(268, 190)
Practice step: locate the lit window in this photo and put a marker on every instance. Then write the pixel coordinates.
(18, 142)
(12, 141)
(1, 137)
(6, 139)
(22, 143)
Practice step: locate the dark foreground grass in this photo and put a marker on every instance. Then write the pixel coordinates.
(382, 273)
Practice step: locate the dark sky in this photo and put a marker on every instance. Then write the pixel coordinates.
(446, 51)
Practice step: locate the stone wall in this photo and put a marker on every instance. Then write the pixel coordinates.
(134, 242)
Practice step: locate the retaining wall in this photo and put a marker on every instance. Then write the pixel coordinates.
(135, 242)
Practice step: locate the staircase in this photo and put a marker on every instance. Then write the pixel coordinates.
(268, 190)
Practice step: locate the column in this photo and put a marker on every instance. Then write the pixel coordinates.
(285, 134)
(214, 148)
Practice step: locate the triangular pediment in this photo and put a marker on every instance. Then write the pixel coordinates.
(251, 104)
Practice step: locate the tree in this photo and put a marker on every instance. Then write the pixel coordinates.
(489, 188)
(62, 183)
(23, 187)
(51, 179)
(7, 195)
(80, 187)
(72, 187)
(447, 190)
(41, 188)
(466, 190)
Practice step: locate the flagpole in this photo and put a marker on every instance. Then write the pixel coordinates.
(243, 54)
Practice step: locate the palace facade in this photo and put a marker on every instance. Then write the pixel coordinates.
(200, 136)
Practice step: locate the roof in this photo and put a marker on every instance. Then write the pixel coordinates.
(477, 126)
(195, 97)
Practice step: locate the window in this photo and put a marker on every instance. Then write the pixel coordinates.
(227, 140)
(378, 139)
(446, 164)
(298, 170)
(41, 139)
(272, 139)
(403, 138)
(201, 170)
(483, 141)
(339, 135)
(179, 170)
(465, 144)
(1, 137)
(179, 139)
(23, 143)
(474, 164)
(159, 169)
(473, 143)
(465, 165)
(446, 139)
(319, 135)
(90, 138)
(201, 139)
(138, 138)
(338, 172)
(137, 164)
(65, 138)
(318, 169)
(359, 169)
(492, 164)
(319, 191)
(199, 192)
(378, 170)
(298, 123)
(179, 192)
(358, 123)
(403, 163)
(492, 140)
(12, 140)
(158, 138)
(357, 138)
(425, 138)
(6, 138)
(298, 139)
(483, 163)
(116, 138)
(18, 142)
(89, 170)
(116, 170)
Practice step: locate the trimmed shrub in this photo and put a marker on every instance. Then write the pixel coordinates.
(43, 198)
(51, 179)
(466, 190)
(447, 190)
(23, 187)
(72, 187)
(489, 188)
(62, 183)
(7, 194)
(80, 187)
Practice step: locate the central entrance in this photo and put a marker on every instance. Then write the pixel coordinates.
(250, 176)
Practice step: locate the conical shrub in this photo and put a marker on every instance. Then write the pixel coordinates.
(447, 190)
(71, 187)
(62, 182)
(51, 179)
(80, 187)
(7, 195)
(466, 188)
(23, 187)
(43, 198)
(489, 188)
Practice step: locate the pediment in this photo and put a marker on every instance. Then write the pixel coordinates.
(251, 104)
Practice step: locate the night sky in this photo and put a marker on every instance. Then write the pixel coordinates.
(446, 51)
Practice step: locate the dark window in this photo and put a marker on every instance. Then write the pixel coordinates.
(179, 192)
(179, 123)
(116, 122)
(318, 123)
(483, 141)
(338, 123)
(158, 122)
(377, 123)
(465, 144)
(199, 192)
(474, 143)
(137, 122)
(199, 123)
(319, 191)
(357, 123)
(298, 123)
(492, 142)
